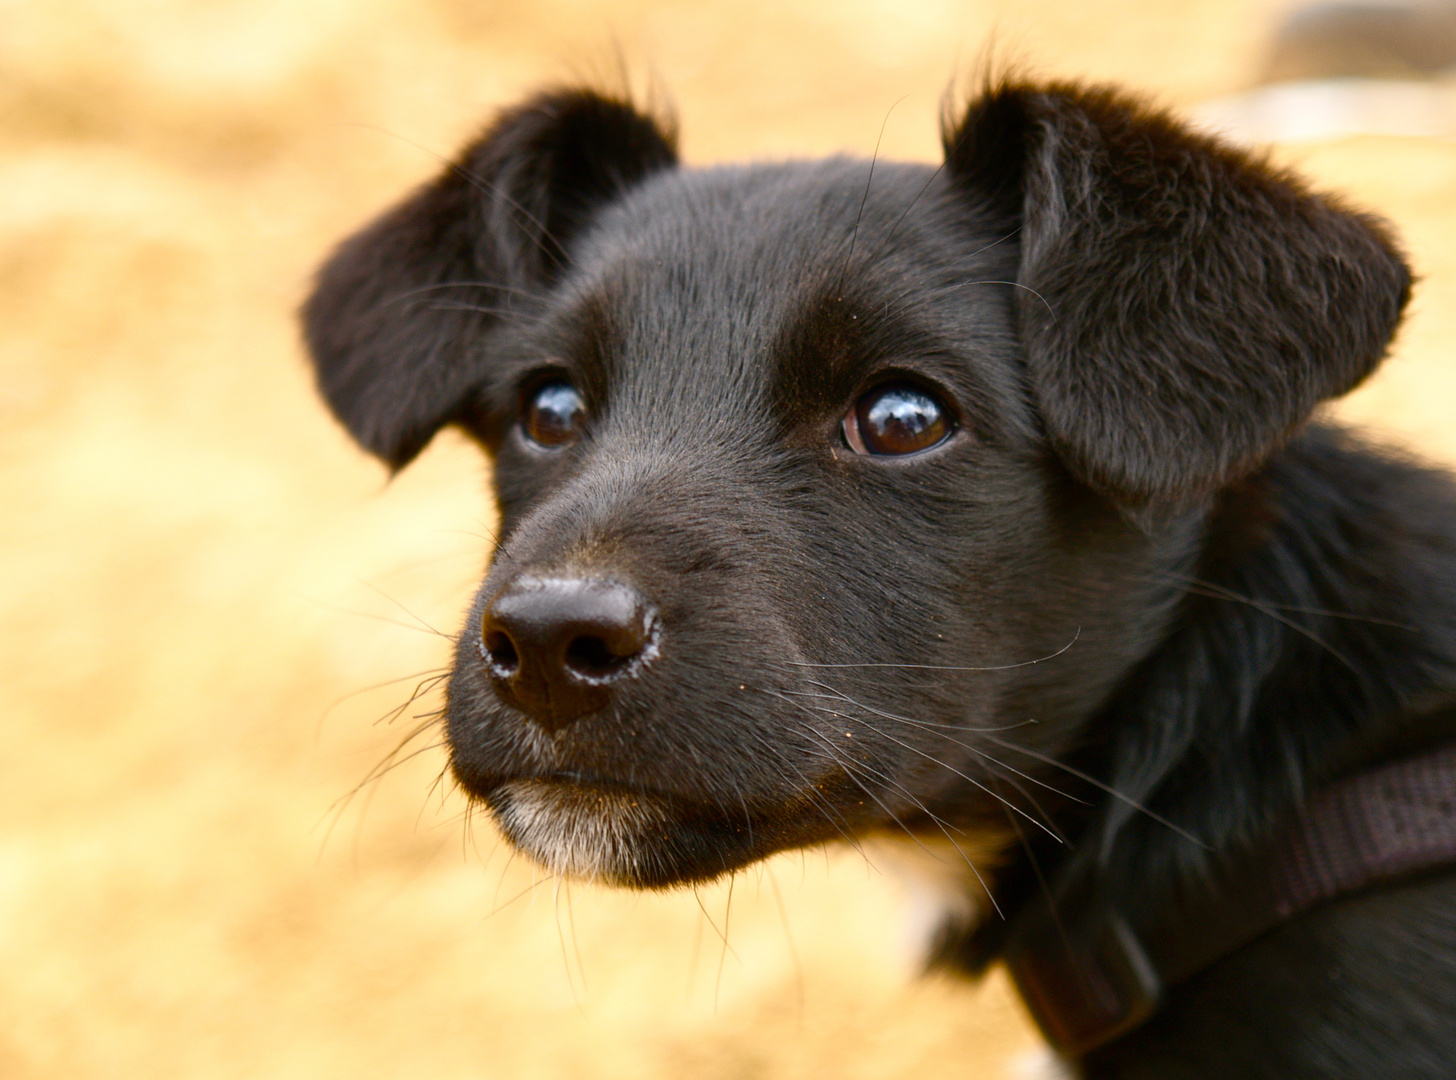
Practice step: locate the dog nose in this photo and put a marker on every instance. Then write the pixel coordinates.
(555, 647)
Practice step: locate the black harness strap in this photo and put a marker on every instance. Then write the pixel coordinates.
(1090, 973)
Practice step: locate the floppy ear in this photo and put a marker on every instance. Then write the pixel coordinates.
(1184, 306)
(398, 313)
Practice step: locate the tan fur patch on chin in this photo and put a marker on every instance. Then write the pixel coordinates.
(576, 831)
(1039, 1064)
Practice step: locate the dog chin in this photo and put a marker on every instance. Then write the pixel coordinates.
(583, 832)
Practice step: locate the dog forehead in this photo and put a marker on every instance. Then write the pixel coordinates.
(749, 219)
(706, 277)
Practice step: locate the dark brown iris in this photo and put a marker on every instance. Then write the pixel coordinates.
(895, 419)
(554, 414)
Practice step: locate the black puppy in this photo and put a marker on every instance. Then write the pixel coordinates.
(971, 504)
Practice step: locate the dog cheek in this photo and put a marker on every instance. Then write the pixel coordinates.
(482, 744)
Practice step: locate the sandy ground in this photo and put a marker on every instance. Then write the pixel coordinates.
(200, 578)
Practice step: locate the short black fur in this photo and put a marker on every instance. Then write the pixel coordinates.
(1132, 565)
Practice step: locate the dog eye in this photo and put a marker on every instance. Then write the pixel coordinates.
(554, 414)
(895, 419)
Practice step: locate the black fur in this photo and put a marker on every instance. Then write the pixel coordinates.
(1131, 567)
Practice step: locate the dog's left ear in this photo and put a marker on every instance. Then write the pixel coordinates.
(399, 323)
(1183, 306)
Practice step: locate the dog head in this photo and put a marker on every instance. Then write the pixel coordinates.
(815, 477)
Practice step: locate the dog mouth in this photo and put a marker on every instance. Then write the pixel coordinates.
(588, 828)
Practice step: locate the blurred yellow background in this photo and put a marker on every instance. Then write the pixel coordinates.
(201, 578)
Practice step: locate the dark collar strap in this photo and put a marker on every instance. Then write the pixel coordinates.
(1090, 973)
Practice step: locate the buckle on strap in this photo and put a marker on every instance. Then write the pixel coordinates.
(1090, 969)
(1086, 977)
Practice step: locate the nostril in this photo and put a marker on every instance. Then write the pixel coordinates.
(555, 648)
(502, 652)
(592, 657)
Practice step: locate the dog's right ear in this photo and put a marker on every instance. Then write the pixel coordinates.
(399, 312)
(1183, 306)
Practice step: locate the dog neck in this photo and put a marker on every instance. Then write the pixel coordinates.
(1293, 782)
(1091, 969)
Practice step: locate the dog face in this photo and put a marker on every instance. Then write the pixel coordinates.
(765, 468)
(834, 497)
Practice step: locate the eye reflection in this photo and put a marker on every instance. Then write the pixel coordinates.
(553, 415)
(895, 419)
